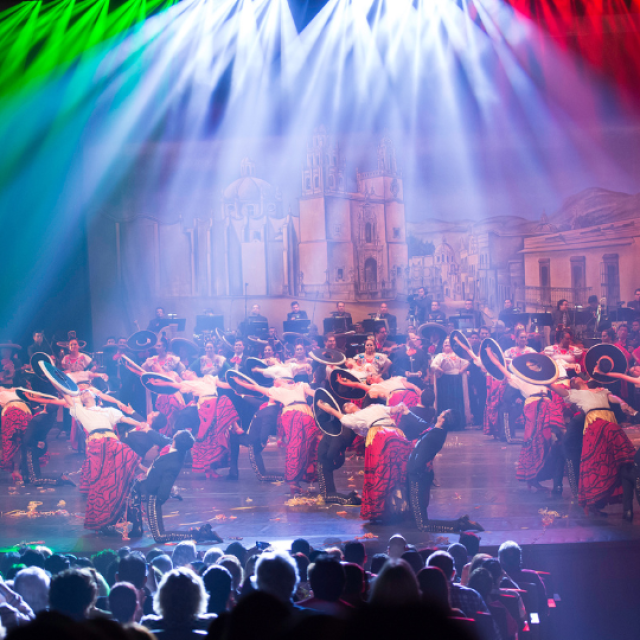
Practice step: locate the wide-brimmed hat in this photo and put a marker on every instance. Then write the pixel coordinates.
(142, 340)
(492, 370)
(454, 340)
(343, 391)
(328, 423)
(161, 389)
(59, 379)
(428, 328)
(328, 356)
(535, 368)
(609, 358)
(232, 376)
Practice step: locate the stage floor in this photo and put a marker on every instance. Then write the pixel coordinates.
(476, 475)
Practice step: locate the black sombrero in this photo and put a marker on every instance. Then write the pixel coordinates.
(454, 339)
(257, 376)
(142, 340)
(293, 336)
(132, 366)
(535, 368)
(223, 338)
(257, 342)
(328, 356)
(491, 368)
(161, 389)
(232, 376)
(609, 357)
(38, 357)
(28, 395)
(328, 424)
(342, 391)
(11, 345)
(182, 343)
(60, 380)
(425, 330)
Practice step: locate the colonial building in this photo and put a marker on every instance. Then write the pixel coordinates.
(352, 245)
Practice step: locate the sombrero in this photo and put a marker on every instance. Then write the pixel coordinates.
(29, 395)
(342, 391)
(328, 424)
(37, 358)
(454, 339)
(182, 343)
(60, 380)
(257, 376)
(132, 366)
(328, 356)
(161, 389)
(11, 345)
(71, 335)
(535, 368)
(491, 368)
(425, 330)
(223, 338)
(142, 340)
(232, 376)
(610, 358)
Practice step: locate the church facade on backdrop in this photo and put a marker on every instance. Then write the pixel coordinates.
(342, 245)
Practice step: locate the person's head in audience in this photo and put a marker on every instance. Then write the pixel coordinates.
(327, 579)
(434, 587)
(413, 559)
(277, 575)
(237, 549)
(377, 562)
(212, 555)
(185, 553)
(334, 552)
(477, 561)
(56, 564)
(162, 563)
(103, 560)
(492, 565)
(482, 582)
(471, 541)
(32, 584)
(218, 584)
(355, 585)
(233, 566)
(300, 545)
(32, 558)
(510, 556)
(123, 602)
(73, 592)
(459, 553)
(133, 569)
(395, 586)
(154, 553)
(302, 562)
(397, 546)
(180, 597)
(355, 552)
(250, 565)
(443, 561)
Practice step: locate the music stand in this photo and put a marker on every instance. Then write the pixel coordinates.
(296, 326)
(258, 328)
(336, 325)
(462, 322)
(541, 319)
(519, 318)
(623, 314)
(373, 326)
(180, 323)
(209, 323)
(582, 318)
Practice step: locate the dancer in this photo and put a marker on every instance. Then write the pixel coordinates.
(370, 361)
(607, 462)
(421, 475)
(15, 417)
(156, 488)
(301, 433)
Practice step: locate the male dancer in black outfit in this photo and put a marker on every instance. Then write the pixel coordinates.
(157, 487)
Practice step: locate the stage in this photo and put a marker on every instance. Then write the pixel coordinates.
(476, 475)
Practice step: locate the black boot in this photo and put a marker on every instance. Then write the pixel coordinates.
(464, 524)
(257, 464)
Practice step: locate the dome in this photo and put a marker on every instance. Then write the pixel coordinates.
(445, 249)
(248, 188)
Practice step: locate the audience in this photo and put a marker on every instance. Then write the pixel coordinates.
(291, 595)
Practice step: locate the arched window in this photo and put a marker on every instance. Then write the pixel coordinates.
(368, 233)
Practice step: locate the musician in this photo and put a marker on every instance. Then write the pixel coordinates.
(331, 343)
(383, 314)
(296, 313)
(382, 344)
(561, 316)
(506, 315)
(159, 322)
(436, 314)
(39, 345)
(635, 303)
(420, 306)
(468, 310)
(256, 316)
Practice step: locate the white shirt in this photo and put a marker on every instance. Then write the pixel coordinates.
(514, 352)
(373, 364)
(291, 393)
(386, 387)
(201, 387)
(378, 415)
(76, 364)
(211, 366)
(589, 399)
(526, 388)
(170, 363)
(96, 417)
(450, 363)
(7, 395)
